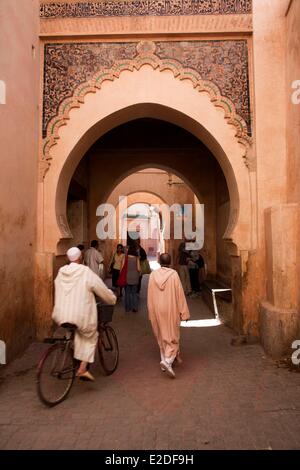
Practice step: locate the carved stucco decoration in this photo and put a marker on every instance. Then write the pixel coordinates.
(145, 53)
(109, 8)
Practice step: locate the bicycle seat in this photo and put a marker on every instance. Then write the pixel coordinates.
(69, 326)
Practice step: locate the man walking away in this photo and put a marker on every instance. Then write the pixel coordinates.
(166, 307)
(93, 258)
(75, 288)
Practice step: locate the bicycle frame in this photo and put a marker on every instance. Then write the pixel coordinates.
(66, 341)
(102, 332)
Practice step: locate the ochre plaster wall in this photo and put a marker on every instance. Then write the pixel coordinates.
(278, 221)
(293, 108)
(19, 69)
(293, 115)
(268, 104)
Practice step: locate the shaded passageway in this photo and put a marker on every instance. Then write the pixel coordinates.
(152, 163)
(222, 398)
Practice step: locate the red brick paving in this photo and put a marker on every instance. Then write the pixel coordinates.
(223, 397)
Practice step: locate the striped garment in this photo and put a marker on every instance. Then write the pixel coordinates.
(75, 289)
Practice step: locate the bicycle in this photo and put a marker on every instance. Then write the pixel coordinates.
(108, 348)
(57, 368)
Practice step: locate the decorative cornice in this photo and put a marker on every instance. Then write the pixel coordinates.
(181, 26)
(109, 8)
(145, 56)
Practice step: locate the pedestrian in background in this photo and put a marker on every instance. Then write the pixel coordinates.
(143, 259)
(115, 267)
(93, 258)
(132, 279)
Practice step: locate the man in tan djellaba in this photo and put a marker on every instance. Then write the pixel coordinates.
(167, 307)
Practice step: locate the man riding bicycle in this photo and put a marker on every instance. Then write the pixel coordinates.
(75, 288)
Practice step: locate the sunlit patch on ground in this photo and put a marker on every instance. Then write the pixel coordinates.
(201, 323)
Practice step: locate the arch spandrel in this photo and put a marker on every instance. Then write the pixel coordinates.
(146, 55)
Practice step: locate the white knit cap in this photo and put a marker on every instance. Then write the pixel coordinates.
(73, 253)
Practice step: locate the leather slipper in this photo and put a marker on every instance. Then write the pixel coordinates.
(86, 376)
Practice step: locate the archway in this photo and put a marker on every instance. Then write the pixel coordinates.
(141, 220)
(161, 97)
(157, 188)
(141, 209)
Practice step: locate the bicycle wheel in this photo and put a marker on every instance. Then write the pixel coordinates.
(108, 349)
(55, 374)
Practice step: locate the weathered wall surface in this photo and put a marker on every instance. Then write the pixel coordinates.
(73, 17)
(269, 54)
(293, 100)
(19, 69)
(277, 320)
(293, 113)
(224, 265)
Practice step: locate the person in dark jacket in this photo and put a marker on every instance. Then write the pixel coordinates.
(132, 279)
(142, 257)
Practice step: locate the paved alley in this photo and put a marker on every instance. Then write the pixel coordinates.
(223, 397)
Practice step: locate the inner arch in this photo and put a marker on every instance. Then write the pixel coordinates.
(170, 117)
(155, 156)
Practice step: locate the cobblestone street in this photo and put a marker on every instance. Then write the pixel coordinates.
(223, 397)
